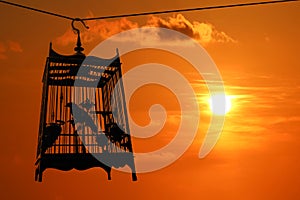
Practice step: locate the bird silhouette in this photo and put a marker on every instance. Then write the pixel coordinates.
(50, 135)
(82, 116)
(116, 134)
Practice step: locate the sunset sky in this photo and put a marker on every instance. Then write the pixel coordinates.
(256, 50)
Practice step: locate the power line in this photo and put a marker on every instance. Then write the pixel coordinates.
(37, 10)
(189, 9)
(148, 13)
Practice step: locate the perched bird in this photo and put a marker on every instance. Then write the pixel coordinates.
(82, 116)
(50, 135)
(116, 134)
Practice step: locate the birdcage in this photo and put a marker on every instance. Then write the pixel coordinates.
(82, 125)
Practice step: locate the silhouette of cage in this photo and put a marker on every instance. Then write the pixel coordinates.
(80, 115)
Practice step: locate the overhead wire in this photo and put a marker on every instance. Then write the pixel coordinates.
(189, 9)
(147, 13)
(37, 10)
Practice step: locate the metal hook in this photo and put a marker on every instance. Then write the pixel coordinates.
(78, 20)
(78, 48)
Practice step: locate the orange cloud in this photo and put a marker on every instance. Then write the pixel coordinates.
(9, 46)
(98, 30)
(204, 33)
(14, 46)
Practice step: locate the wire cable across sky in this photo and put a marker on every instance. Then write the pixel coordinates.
(147, 13)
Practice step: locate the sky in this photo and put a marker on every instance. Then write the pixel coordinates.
(256, 51)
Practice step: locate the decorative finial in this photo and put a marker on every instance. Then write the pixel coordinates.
(79, 49)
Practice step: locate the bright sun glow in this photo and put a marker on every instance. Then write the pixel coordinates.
(220, 104)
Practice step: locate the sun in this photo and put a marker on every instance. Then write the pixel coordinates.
(220, 104)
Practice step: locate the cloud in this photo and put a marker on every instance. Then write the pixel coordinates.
(14, 46)
(204, 33)
(9, 46)
(98, 30)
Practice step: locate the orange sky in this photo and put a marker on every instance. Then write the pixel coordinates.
(257, 155)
